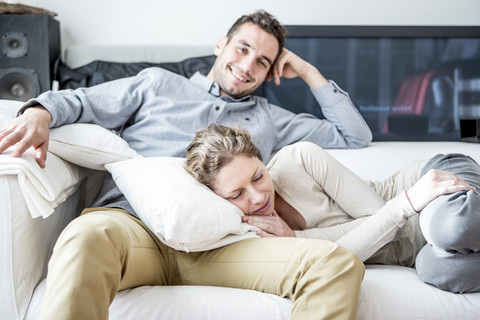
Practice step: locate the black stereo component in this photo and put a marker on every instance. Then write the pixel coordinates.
(29, 49)
(470, 130)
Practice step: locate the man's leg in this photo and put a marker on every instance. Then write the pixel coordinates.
(450, 271)
(98, 254)
(322, 279)
(450, 224)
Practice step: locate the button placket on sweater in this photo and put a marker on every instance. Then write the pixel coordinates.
(217, 109)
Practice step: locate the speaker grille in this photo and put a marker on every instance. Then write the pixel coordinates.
(18, 83)
(29, 48)
(14, 44)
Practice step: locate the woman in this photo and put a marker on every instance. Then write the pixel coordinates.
(305, 192)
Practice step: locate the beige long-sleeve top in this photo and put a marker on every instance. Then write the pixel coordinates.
(372, 219)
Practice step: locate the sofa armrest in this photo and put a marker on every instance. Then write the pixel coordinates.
(26, 243)
(54, 196)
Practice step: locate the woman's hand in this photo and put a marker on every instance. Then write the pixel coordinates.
(433, 184)
(270, 226)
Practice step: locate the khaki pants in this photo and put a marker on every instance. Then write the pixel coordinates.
(107, 250)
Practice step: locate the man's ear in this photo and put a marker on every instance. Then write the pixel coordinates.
(220, 45)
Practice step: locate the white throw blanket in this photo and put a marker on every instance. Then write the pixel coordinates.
(72, 149)
(42, 189)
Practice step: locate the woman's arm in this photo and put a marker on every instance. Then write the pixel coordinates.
(363, 236)
(434, 183)
(328, 194)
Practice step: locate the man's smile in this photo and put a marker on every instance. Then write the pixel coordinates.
(238, 76)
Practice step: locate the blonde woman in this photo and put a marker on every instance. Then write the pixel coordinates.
(304, 192)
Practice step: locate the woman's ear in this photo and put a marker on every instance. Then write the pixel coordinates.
(220, 45)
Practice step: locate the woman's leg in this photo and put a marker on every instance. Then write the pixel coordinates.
(322, 279)
(98, 254)
(451, 224)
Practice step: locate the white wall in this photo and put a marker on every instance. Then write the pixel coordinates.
(203, 22)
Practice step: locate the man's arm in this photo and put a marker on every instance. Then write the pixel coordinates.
(343, 126)
(30, 129)
(289, 65)
(109, 105)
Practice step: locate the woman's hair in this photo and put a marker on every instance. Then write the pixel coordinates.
(214, 147)
(266, 22)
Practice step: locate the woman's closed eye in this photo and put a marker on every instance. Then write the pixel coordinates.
(236, 195)
(240, 192)
(259, 177)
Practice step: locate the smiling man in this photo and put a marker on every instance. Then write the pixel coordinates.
(244, 59)
(108, 248)
(247, 56)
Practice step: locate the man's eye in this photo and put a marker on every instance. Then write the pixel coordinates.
(262, 64)
(242, 49)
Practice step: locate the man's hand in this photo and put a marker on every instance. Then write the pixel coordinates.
(31, 129)
(270, 226)
(289, 65)
(433, 184)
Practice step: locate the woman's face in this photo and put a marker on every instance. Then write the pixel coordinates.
(246, 183)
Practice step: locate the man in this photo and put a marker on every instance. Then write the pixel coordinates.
(108, 249)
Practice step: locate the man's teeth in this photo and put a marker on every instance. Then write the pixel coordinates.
(238, 76)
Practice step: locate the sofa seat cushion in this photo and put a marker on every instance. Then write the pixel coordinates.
(388, 292)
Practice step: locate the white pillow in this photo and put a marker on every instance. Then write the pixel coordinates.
(89, 145)
(183, 213)
(8, 111)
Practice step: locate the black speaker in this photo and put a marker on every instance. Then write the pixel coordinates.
(30, 48)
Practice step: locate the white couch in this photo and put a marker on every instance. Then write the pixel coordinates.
(388, 292)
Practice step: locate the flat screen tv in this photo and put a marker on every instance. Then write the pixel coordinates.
(411, 83)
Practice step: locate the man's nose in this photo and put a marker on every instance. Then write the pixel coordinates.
(247, 63)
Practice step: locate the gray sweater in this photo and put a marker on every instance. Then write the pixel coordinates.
(158, 112)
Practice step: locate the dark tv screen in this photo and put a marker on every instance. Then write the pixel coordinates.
(409, 83)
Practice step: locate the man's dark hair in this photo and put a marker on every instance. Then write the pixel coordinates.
(266, 22)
